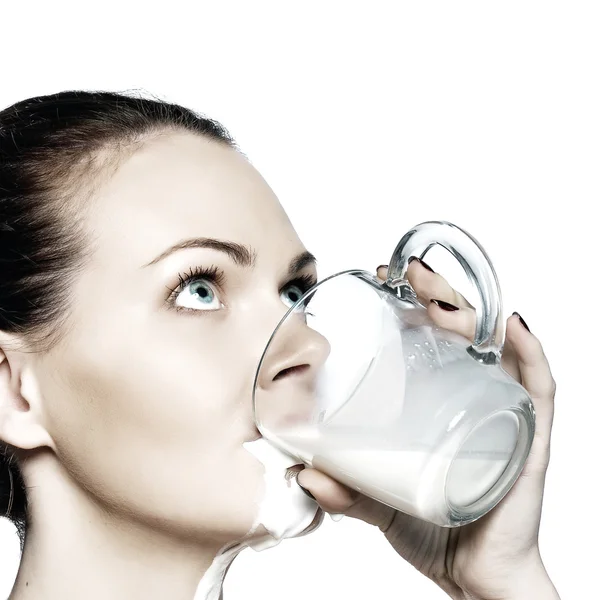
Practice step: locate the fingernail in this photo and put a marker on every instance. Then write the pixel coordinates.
(422, 262)
(522, 321)
(306, 491)
(292, 472)
(445, 305)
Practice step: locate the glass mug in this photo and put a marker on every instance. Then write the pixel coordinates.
(358, 382)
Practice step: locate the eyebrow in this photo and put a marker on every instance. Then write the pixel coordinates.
(243, 256)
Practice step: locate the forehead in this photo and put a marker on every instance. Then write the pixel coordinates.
(181, 185)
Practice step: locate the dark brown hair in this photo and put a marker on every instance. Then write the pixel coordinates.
(52, 148)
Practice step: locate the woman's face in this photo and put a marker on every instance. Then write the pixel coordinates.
(148, 397)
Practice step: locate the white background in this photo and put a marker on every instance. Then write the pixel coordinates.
(367, 118)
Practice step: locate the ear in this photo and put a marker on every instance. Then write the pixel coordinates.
(21, 403)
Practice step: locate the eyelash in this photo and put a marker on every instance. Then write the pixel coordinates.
(216, 276)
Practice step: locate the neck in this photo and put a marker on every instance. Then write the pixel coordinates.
(75, 550)
(95, 575)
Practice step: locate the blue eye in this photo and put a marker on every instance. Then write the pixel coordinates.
(291, 294)
(197, 290)
(296, 288)
(198, 295)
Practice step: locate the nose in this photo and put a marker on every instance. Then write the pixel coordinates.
(296, 352)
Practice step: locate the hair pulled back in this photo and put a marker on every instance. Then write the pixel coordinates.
(51, 149)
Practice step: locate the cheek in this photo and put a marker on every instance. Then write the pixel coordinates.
(155, 425)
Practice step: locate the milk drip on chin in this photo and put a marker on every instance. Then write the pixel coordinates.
(284, 510)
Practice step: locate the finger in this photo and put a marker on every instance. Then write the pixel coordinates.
(331, 495)
(535, 370)
(460, 320)
(438, 286)
(537, 379)
(429, 285)
(510, 362)
(334, 497)
(382, 271)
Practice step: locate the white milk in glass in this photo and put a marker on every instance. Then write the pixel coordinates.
(417, 481)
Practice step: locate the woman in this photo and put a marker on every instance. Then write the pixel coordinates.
(144, 264)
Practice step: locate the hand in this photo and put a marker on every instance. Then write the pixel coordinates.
(496, 557)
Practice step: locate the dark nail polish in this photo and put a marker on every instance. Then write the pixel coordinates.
(381, 267)
(445, 305)
(306, 491)
(522, 321)
(422, 262)
(293, 472)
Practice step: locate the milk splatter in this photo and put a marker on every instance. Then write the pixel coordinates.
(284, 510)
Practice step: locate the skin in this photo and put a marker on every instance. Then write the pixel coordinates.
(133, 425)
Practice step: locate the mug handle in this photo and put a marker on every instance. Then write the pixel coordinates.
(489, 331)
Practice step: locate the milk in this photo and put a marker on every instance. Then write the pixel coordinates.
(418, 481)
(284, 511)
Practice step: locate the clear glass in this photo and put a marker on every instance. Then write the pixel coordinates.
(358, 382)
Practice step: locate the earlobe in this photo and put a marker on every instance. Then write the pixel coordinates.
(21, 415)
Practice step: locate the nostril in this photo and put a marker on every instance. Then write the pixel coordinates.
(295, 370)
